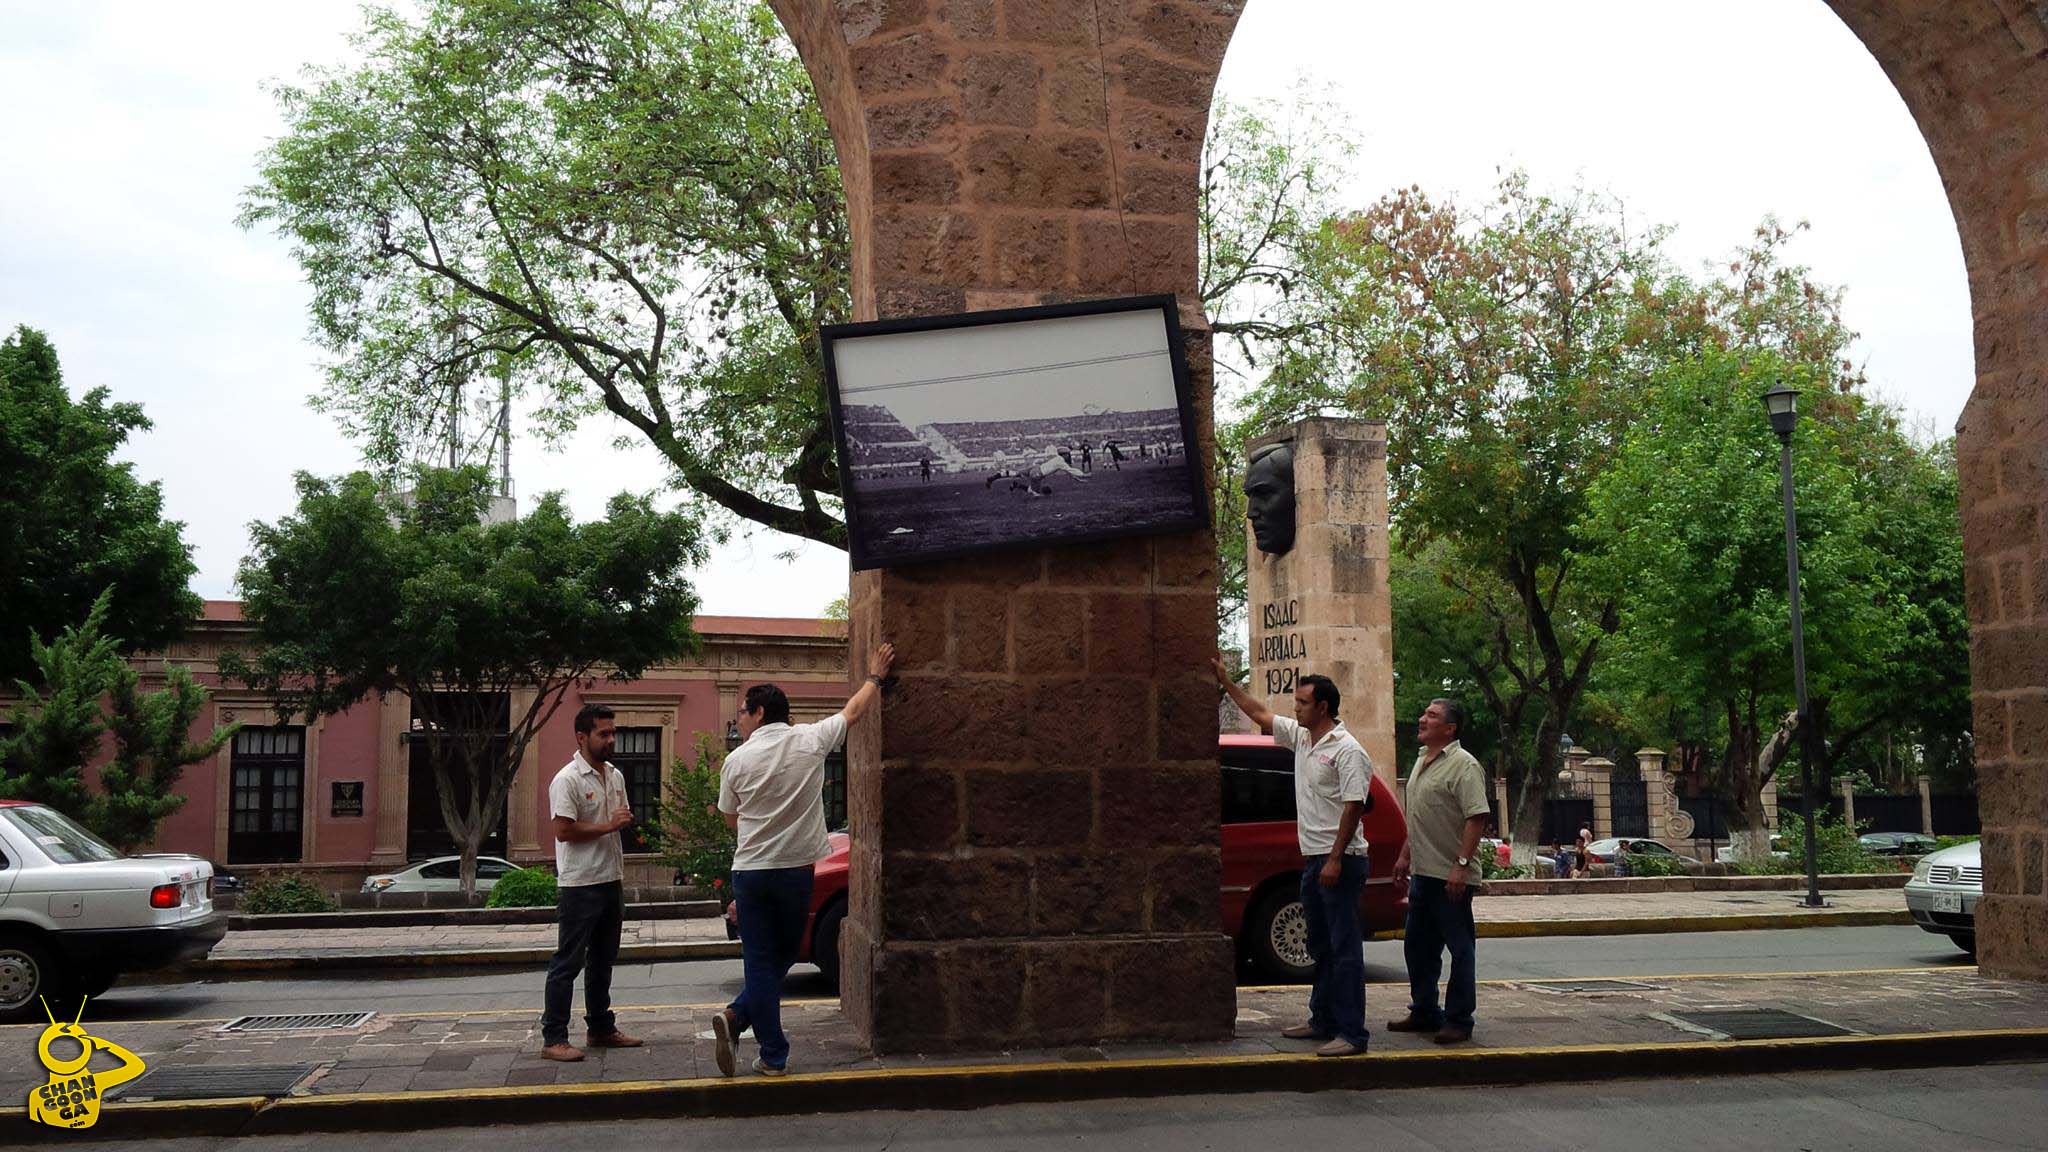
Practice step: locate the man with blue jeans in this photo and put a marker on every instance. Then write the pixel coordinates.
(771, 792)
(1447, 813)
(1332, 790)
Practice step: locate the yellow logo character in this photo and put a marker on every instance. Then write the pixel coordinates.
(71, 1099)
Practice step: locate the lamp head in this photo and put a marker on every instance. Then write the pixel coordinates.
(1783, 405)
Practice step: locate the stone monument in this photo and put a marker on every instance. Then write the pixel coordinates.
(1316, 572)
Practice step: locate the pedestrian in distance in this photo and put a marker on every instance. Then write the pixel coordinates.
(1447, 814)
(1332, 793)
(588, 801)
(771, 794)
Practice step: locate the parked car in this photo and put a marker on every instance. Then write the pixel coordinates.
(1260, 901)
(441, 874)
(75, 913)
(1896, 843)
(1943, 891)
(1725, 853)
(1617, 850)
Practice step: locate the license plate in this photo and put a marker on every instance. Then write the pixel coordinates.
(1948, 902)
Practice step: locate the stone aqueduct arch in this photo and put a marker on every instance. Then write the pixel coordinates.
(1036, 847)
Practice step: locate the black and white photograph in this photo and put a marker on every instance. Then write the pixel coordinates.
(959, 434)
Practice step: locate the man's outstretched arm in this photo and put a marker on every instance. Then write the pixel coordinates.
(1253, 708)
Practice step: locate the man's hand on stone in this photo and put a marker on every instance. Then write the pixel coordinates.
(1222, 673)
(879, 661)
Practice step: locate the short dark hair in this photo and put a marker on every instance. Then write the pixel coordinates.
(770, 702)
(1324, 689)
(588, 716)
(1454, 713)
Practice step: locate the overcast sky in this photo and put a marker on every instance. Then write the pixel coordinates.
(131, 129)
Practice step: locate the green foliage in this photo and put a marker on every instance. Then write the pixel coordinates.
(1655, 864)
(275, 892)
(1835, 845)
(74, 520)
(60, 721)
(693, 838)
(523, 888)
(1490, 867)
(363, 592)
(1941, 842)
(625, 208)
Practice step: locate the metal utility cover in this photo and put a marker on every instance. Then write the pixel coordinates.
(1761, 1024)
(303, 1022)
(205, 1082)
(1567, 987)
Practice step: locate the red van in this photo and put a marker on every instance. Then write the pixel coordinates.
(1261, 897)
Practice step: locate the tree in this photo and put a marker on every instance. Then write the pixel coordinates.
(1504, 350)
(364, 592)
(60, 723)
(626, 208)
(74, 521)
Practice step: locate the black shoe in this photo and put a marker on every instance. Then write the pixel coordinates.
(1452, 1034)
(1412, 1023)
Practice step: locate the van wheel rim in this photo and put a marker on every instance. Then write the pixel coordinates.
(18, 978)
(1289, 936)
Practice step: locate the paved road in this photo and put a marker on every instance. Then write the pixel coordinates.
(1949, 1109)
(706, 981)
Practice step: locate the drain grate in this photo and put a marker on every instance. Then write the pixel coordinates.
(302, 1022)
(203, 1082)
(1759, 1024)
(1569, 987)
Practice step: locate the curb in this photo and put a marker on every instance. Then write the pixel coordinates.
(973, 1086)
(730, 949)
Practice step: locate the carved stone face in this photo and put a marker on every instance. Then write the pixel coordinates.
(1269, 498)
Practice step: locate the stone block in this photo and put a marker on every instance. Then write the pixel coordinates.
(909, 997)
(999, 88)
(2006, 658)
(1173, 988)
(907, 63)
(1068, 992)
(1074, 94)
(899, 301)
(1146, 77)
(1104, 718)
(1160, 189)
(1181, 891)
(1120, 632)
(955, 718)
(920, 122)
(2027, 715)
(1187, 717)
(1184, 560)
(921, 808)
(1064, 22)
(1186, 30)
(1134, 256)
(981, 629)
(1030, 807)
(1183, 632)
(953, 897)
(1031, 251)
(1147, 134)
(1037, 170)
(1161, 805)
(926, 245)
(863, 19)
(1050, 632)
(917, 178)
(985, 986)
(971, 19)
(914, 620)
(1087, 893)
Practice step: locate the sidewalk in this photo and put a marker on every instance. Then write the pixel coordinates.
(408, 1071)
(704, 938)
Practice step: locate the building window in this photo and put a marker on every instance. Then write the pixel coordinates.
(267, 768)
(637, 756)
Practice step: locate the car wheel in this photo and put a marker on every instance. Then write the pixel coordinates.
(825, 942)
(1279, 937)
(1967, 941)
(27, 973)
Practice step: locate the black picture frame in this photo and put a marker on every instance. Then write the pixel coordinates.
(1194, 515)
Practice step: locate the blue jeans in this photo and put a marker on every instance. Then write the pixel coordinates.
(1437, 922)
(1336, 999)
(589, 918)
(774, 903)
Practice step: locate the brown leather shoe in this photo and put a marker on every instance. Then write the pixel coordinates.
(1304, 1032)
(566, 1052)
(1452, 1035)
(617, 1039)
(1411, 1023)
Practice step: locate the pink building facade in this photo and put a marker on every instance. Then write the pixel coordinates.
(338, 797)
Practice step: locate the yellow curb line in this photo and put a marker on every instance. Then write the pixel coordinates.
(970, 1085)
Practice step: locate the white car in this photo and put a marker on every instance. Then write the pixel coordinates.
(75, 913)
(441, 874)
(1943, 892)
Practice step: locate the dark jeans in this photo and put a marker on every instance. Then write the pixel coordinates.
(1336, 1000)
(588, 919)
(774, 903)
(1437, 922)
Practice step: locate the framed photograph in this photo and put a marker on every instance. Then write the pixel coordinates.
(1013, 429)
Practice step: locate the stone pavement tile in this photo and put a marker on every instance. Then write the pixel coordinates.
(528, 1077)
(449, 1062)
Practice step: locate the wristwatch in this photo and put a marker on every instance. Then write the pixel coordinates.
(1464, 861)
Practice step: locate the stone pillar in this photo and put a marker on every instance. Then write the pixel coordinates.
(1668, 819)
(1848, 802)
(1926, 784)
(1599, 777)
(1323, 605)
(1034, 819)
(394, 776)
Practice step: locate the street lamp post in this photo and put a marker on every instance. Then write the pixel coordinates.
(1783, 405)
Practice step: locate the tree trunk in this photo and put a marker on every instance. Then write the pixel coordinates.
(1748, 774)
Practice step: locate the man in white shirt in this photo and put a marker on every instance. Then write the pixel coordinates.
(587, 800)
(771, 793)
(1332, 790)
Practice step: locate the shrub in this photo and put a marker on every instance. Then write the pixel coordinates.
(523, 888)
(1836, 848)
(1941, 842)
(1645, 864)
(693, 839)
(275, 892)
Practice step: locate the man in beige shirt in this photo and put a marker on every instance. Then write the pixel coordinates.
(587, 811)
(1447, 813)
